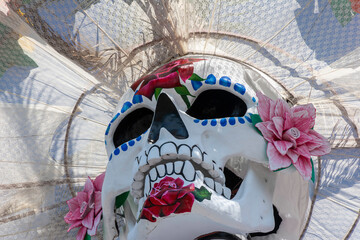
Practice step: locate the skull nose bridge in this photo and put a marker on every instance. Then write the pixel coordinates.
(167, 116)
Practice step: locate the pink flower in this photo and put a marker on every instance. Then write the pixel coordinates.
(4, 5)
(85, 209)
(289, 133)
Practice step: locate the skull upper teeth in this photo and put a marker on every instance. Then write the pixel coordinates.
(185, 161)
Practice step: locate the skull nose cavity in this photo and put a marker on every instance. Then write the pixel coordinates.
(167, 116)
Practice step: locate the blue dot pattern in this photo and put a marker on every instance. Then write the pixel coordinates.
(117, 151)
(110, 157)
(241, 120)
(196, 84)
(248, 119)
(126, 106)
(213, 122)
(211, 79)
(137, 99)
(108, 129)
(254, 99)
(204, 123)
(225, 81)
(124, 147)
(196, 120)
(240, 88)
(223, 122)
(232, 121)
(131, 143)
(138, 138)
(115, 117)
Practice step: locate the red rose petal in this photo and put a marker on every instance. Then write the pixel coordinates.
(167, 210)
(170, 196)
(185, 72)
(146, 214)
(157, 201)
(155, 210)
(186, 203)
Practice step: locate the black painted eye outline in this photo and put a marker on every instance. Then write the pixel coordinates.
(132, 125)
(217, 103)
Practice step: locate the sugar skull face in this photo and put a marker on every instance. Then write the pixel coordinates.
(182, 142)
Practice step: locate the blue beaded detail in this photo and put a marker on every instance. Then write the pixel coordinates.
(241, 120)
(131, 143)
(196, 120)
(117, 151)
(204, 123)
(223, 122)
(211, 79)
(126, 106)
(225, 81)
(240, 88)
(196, 84)
(124, 147)
(232, 121)
(213, 122)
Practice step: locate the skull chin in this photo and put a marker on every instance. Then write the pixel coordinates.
(248, 210)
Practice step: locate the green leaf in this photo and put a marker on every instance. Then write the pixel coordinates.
(342, 11)
(87, 237)
(201, 194)
(186, 100)
(183, 91)
(120, 200)
(157, 92)
(255, 118)
(195, 77)
(313, 171)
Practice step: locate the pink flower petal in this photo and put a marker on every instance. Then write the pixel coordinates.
(281, 108)
(303, 151)
(272, 128)
(287, 121)
(267, 134)
(97, 202)
(292, 155)
(92, 231)
(304, 138)
(304, 117)
(323, 146)
(76, 215)
(303, 165)
(89, 186)
(75, 225)
(73, 204)
(282, 146)
(81, 234)
(88, 221)
(276, 160)
(264, 106)
(98, 182)
(4, 8)
(279, 126)
(82, 197)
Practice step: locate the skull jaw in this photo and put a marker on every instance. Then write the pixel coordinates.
(249, 211)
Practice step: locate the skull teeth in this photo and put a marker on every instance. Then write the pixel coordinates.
(168, 159)
(217, 187)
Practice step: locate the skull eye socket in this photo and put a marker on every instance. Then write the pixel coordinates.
(133, 125)
(217, 104)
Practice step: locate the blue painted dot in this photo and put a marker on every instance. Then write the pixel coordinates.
(241, 120)
(115, 117)
(131, 143)
(211, 79)
(232, 121)
(117, 151)
(110, 157)
(196, 120)
(213, 122)
(240, 88)
(225, 81)
(223, 122)
(126, 106)
(196, 84)
(138, 138)
(107, 129)
(248, 119)
(124, 147)
(137, 99)
(254, 99)
(105, 142)
(204, 123)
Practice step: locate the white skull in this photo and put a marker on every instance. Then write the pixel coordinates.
(154, 136)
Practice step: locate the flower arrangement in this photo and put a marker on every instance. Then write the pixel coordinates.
(290, 135)
(85, 209)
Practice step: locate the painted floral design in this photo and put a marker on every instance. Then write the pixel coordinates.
(167, 197)
(85, 209)
(168, 76)
(291, 139)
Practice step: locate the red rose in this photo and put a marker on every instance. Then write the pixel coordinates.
(166, 197)
(355, 5)
(167, 76)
